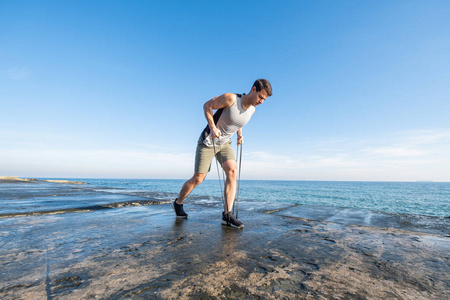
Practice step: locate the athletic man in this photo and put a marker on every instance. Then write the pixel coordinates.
(233, 112)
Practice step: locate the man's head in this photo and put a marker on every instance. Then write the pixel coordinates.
(263, 84)
(261, 89)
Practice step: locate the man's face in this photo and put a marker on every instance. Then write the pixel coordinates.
(259, 97)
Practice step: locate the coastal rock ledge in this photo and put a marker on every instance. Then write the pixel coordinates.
(60, 241)
(11, 179)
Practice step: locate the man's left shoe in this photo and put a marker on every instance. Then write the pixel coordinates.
(230, 220)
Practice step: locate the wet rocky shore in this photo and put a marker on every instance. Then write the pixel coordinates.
(65, 241)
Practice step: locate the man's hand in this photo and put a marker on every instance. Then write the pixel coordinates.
(215, 132)
(240, 139)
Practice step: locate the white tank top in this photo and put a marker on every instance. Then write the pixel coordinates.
(228, 120)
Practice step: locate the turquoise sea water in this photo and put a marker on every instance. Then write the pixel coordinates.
(420, 198)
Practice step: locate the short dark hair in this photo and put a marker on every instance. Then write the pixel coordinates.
(263, 84)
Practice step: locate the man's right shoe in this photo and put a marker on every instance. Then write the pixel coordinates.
(179, 211)
(230, 220)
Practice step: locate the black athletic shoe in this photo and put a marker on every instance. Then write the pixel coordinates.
(179, 211)
(230, 220)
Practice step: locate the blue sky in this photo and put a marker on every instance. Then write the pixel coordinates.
(114, 89)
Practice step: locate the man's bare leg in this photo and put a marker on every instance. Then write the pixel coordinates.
(189, 185)
(230, 191)
(230, 184)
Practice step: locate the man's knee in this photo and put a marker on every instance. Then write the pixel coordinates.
(231, 173)
(198, 178)
(230, 169)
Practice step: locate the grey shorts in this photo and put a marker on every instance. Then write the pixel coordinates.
(204, 156)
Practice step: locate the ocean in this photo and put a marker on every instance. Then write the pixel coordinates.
(416, 198)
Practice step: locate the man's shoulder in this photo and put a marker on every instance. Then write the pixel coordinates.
(229, 98)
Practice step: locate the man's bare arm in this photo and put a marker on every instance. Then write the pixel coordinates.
(222, 101)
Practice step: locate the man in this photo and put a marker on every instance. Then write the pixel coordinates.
(233, 112)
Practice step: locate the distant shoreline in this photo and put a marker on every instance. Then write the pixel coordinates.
(7, 179)
(75, 179)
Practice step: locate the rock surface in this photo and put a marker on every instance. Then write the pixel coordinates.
(141, 251)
